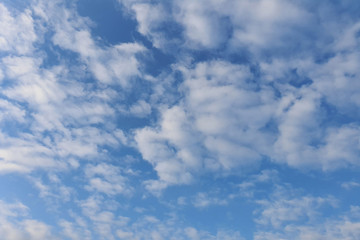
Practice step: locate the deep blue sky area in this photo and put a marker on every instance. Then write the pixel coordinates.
(179, 120)
(105, 15)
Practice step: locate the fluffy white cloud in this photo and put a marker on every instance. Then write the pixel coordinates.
(256, 25)
(113, 64)
(58, 112)
(17, 31)
(106, 178)
(202, 23)
(149, 18)
(345, 227)
(139, 109)
(282, 210)
(225, 117)
(307, 134)
(288, 214)
(15, 224)
(217, 126)
(11, 111)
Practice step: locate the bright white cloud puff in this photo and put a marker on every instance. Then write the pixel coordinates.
(198, 120)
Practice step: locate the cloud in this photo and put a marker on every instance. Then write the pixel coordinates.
(254, 86)
(139, 109)
(253, 25)
(350, 185)
(150, 226)
(290, 214)
(249, 187)
(57, 110)
(203, 200)
(45, 94)
(15, 153)
(345, 227)
(11, 111)
(73, 232)
(117, 64)
(15, 223)
(283, 105)
(150, 17)
(214, 128)
(18, 31)
(203, 25)
(282, 211)
(103, 220)
(106, 178)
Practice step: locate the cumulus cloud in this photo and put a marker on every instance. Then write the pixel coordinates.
(256, 25)
(17, 225)
(214, 128)
(106, 178)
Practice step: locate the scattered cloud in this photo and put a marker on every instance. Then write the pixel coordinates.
(16, 223)
(209, 104)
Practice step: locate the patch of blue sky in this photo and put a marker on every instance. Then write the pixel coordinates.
(17, 188)
(110, 24)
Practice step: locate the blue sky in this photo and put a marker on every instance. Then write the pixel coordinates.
(199, 120)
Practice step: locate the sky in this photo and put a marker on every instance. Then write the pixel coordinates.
(179, 120)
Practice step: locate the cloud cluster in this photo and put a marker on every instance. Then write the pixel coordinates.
(297, 109)
(242, 85)
(217, 126)
(345, 227)
(16, 224)
(228, 118)
(58, 111)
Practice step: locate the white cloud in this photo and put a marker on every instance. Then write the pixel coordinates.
(250, 186)
(202, 23)
(149, 18)
(228, 118)
(265, 24)
(106, 178)
(124, 235)
(150, 226)
(74, 232)
(344, 227)
(16, 225)
(288, 214)
(17, 31)
(350, 185)
(255, 25)
(11, 111)
(304, 138)
(15, 155)
(139, 109)
(105, 223)
(285, 207)
(115, 64)
(56, 110)
(215, 128)
(317, 121)
(203, 200)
